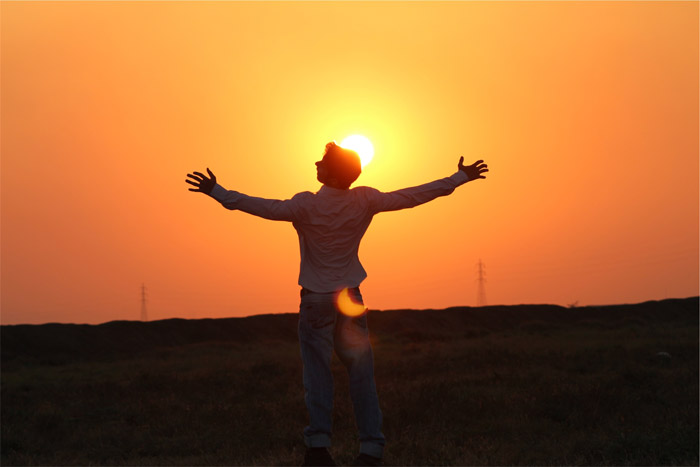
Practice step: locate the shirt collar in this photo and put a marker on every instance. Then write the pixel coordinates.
(330, 191)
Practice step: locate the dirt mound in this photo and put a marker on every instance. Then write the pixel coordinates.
(57, 343)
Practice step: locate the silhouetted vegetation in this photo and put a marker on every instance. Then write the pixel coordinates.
(520, 385)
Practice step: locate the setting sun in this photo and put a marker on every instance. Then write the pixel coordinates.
(361, 145)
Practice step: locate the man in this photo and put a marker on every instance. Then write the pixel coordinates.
(330, 225)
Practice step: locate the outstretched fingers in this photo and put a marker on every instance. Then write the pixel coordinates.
(198, 186)
(195, 180)
(202, 183)
(474, 170)
(478, 168)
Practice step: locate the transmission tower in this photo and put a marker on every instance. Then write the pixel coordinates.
(144, 314)
(481, 279)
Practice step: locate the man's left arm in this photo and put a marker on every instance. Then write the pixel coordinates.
(273, 209)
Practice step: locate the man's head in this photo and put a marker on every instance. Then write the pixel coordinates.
(339, 167)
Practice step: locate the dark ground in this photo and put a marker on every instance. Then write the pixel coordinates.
(515, 385)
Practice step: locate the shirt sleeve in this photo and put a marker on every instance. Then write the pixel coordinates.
(414, 196)
(273, 209)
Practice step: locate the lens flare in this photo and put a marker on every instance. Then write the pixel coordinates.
(347, 305)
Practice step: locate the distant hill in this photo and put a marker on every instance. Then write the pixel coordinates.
(61, 342)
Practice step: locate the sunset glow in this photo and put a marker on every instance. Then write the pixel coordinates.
(586, 113)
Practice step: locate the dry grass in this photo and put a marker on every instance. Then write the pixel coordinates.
(585, 390)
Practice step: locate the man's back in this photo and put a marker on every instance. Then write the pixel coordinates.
(330, 225)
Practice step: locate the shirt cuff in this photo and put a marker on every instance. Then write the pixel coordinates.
(218, 192)
(459, 177)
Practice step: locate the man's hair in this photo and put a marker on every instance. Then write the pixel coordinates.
(343, 164)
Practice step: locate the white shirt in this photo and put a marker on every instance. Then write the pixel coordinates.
(331, 223)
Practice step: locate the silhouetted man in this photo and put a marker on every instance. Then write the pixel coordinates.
(330, 225)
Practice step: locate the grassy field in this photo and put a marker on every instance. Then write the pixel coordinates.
(528, 385)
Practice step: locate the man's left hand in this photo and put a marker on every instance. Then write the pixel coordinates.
(202, 183)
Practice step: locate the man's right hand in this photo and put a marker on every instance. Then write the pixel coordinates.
(202, 183)
(473, 171)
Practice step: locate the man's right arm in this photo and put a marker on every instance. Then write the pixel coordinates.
(414, 196)
(417, 195)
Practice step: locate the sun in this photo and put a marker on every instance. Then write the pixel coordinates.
(361, 145)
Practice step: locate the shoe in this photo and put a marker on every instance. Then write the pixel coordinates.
(366, 459)
(318, 457)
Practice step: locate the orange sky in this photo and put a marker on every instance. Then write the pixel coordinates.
(587, 114)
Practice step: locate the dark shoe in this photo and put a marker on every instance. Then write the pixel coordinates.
(366, 459)
(318, 457)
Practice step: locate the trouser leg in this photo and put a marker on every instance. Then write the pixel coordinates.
(316, 324)
(353, 347)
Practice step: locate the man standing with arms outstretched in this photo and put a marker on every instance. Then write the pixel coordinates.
(330, 225)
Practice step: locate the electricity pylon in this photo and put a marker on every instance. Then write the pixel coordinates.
(481, 279)
(144, 314)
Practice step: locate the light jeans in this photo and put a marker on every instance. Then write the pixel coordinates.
(323, 328)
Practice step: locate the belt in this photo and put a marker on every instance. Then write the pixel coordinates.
(305, 291)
